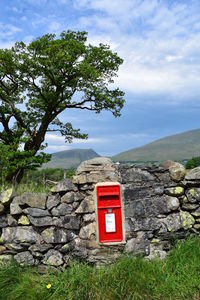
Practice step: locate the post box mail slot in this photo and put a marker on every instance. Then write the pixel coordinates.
(109, 213)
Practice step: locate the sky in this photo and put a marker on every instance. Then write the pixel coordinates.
(159, 41)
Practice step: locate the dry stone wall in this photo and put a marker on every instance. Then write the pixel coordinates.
(161, 204)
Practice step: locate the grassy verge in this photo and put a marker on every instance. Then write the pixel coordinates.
(178, 277)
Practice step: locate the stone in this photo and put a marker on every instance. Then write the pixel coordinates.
(138, 245)
(35, 200)
(95, 164)
(2, 209)
(136, 175)
(31, 199)
(6, 196)
(66, 259)
(65, 248)
(173, 203)
(68, 222)
(197, 226)
(41, 222)
(175, 191)
(173, 222)
(5, 259)
(24, 259)
(62, 209)
(53, 258)
(196, 213)
(71, 197)
(2, 249)
(11, 221)
(23, 220)
(193, 195)
(86, 206)
(36, 212)
(88, 231)
(14, 247)
(14, 207)
(40, 247)
(3, 221)
(55, 235)
(65, 185)
(187, 220)
(193, 174)
(53, 201)
(21, 234)
(43, 269)
(177, 171)
(89, 217)
(190, 206)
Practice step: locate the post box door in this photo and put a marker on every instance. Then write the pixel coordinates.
(109, 212)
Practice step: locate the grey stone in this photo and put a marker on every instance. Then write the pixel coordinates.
(36, 200)
(14, 207)
(36, 212)
(14, 246)
(94, 164)
(19, 235)
(31, 199)
(138, 245)
(86, 206)
(41, 222)
(53, 201)
(136, 175)
(40, 247)
(190, 206)
(71, 197)
(65, 248)
(173, 203)
(3, 221)
(55, 235)
(64, 186)
(62, 209)
(11, 221)
(193, 174)
(24, 258)
(68, 222)
(173, 222)
(89, 217)
(2, 209)
(53, 258)
(88, 231)
(66, 259)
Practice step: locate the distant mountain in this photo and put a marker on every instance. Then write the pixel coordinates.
(70, 158)
(175, 147)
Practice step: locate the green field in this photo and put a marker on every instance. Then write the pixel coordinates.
(178, 277)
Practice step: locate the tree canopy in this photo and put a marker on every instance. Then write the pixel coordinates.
(40, 80)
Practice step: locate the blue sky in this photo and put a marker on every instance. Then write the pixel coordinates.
(159, 41)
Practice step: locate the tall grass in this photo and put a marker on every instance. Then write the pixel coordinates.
(129, 278)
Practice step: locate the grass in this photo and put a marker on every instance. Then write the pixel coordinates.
(178, 277)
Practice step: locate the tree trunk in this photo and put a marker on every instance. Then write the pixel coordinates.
(16, 177)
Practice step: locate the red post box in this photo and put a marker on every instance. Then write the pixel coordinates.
(109, 213)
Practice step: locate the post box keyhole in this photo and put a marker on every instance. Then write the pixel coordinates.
(109, 210)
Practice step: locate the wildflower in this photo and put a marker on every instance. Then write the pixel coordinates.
(48, 286)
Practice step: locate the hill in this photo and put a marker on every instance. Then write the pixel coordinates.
(175, 147)
(70, 158)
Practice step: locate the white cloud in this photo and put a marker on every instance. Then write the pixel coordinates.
(159, 41)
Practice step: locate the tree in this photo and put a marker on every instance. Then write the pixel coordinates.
(40, 80)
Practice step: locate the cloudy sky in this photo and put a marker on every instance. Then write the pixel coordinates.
(159, 41)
